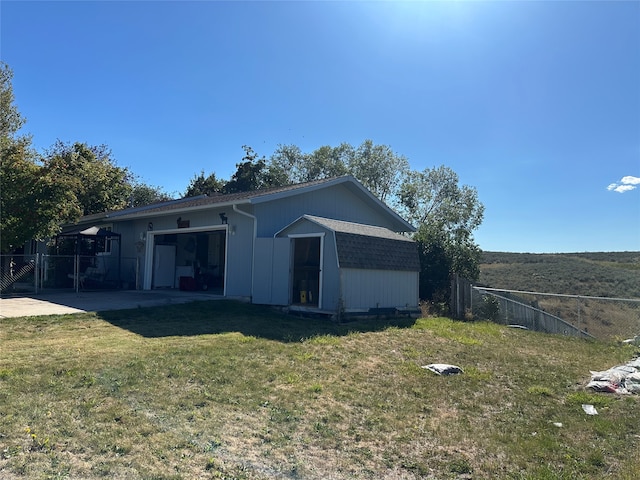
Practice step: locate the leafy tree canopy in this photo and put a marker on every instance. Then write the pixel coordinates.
(446, 214)
(201, 185)
(91, 174)
(10, 118)
(253, 174)
(377, 167)
(143, 194)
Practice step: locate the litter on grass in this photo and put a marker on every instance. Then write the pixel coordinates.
(589, 409)
(622, 379)
(443, 369)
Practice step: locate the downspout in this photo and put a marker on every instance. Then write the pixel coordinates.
(253, 242)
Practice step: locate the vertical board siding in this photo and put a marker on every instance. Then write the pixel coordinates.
(365, 289)
(271, 271)
(280, 271)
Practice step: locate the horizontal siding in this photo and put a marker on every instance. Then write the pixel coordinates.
(337, 202)
(262, 271)
(365, 289)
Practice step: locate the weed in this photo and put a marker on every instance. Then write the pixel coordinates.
(38, 442)
(460, 466)
(540, 390)
(597, 400)
(315, 388)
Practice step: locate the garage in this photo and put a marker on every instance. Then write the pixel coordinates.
(194, 259)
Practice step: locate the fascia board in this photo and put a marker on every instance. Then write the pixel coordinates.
(210, 206)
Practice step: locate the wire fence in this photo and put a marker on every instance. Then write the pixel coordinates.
(575, 315)
(23, 274)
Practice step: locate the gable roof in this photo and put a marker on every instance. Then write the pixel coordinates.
(368, 247)
(340, 226)
(252, 197)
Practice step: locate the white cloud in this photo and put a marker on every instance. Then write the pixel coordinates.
(629, 180)
(627, 184)
(623, 188)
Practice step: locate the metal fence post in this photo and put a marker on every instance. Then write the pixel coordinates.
(76, 272)
(36, 271)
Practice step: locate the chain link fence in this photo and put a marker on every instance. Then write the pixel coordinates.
(577, 315)
(25, 274)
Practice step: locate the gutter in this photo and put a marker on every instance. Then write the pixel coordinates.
(253, 242)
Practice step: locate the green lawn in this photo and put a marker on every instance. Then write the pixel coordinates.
(229, 390)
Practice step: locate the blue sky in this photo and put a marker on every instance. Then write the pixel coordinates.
(535, 104)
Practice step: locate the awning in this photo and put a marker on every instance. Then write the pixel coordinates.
(90, 232)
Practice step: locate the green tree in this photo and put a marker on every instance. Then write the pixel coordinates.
(143, 194)
(447, 215)
(11, 121)
(201, 185)
(31, 202)
(327, 162)
(299, 167)
(252, 174)
(288, 162)
(378, 168)
(91, 174)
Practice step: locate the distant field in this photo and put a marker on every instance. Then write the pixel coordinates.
(601, 274)
(222, 390)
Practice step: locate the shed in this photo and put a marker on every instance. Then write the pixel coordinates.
(350, 267)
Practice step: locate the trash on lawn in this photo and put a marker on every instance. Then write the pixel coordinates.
(557, 424)
(589, 409)
(622, 379)
(443, 368)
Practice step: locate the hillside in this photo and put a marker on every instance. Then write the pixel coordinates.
(599, 274)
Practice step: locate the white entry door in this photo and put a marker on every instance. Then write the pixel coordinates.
(164, 266)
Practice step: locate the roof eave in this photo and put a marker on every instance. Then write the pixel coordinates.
(165, 213)
(118, 216)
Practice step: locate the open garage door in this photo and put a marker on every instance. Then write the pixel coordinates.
(189, 260)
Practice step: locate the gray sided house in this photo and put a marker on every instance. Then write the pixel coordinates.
(324, 246)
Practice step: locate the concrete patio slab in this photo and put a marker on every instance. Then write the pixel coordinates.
(63, 303)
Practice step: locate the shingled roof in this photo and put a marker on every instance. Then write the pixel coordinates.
(370, 247)
(252, 197)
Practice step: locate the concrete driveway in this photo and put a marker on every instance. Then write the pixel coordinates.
(62, 303)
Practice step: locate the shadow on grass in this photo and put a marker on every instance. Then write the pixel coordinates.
(225, 316)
